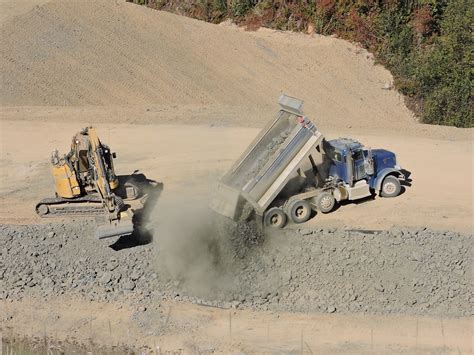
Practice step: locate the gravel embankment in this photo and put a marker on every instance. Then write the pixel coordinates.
(328, 270)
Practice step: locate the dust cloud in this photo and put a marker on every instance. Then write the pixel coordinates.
(194, 246)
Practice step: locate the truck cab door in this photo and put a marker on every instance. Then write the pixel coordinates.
(358, 159)
(369, 162)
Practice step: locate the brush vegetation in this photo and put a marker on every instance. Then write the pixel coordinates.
(426, 44)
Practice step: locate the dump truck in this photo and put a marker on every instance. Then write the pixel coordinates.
(291, 171)
(86, 185)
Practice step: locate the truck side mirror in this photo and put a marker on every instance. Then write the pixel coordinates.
(114, 155)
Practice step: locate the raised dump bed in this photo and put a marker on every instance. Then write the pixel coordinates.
(269, 162)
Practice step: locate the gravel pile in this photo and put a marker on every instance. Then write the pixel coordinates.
(260, 157)
(397, 271)
(55, 259)
(328, 270)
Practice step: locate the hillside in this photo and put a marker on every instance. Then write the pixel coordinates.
(115, 53)
(426, 44)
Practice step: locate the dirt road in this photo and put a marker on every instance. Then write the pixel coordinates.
(196, 156)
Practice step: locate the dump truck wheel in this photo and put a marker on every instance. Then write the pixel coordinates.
(275, 218)
(299, 211)
(390, 187)
(325, 202)
(42, 210)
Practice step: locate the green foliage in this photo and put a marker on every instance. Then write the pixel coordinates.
(241, 7)
(444, 71)
(427, 44)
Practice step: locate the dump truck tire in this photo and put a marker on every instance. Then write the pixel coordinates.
(325, 202)
(390, 187)
(299, 211)
(275, 218)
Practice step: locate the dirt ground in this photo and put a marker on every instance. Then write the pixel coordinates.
(203, 153)
(209, 329)
(181, 111)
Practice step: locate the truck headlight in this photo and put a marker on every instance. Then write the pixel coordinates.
(398, 167)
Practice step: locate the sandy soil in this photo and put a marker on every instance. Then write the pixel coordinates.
(208, 329)
(126, 69)
(11, 9)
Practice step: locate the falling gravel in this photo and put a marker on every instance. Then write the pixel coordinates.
(401, 271)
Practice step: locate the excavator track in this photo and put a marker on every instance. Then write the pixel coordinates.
(80, 206)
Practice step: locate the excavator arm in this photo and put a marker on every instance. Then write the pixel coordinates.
(101, 180)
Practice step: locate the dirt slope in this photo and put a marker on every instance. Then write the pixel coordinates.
(14, 8)
(115, 53)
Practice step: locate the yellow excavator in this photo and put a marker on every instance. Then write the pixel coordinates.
(86, 185)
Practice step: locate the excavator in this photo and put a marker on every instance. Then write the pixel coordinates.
(86, 185)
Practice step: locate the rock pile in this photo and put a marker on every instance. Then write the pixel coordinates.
(408, 271)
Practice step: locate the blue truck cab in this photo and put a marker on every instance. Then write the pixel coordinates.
(356, 172)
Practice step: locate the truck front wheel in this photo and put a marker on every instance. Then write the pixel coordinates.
(274, 217)
(325, 202)
(390, 187)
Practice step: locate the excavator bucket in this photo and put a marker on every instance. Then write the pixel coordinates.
(117, 229)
